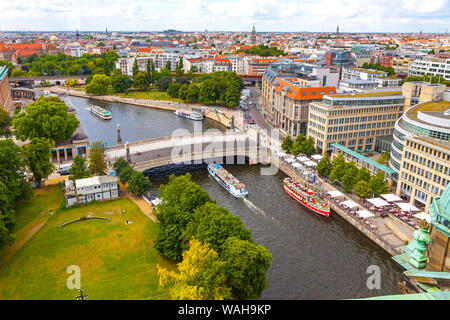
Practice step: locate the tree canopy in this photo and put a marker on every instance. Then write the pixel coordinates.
(45, 118)
(37, 153)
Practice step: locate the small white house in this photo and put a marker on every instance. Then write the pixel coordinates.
(89, 189)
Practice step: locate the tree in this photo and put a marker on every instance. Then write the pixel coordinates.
(179, 67)
(138, 183)
(97, 163)
(363, 190)
(287, 144)
(140, 80)
(120, 83)
(13, 170)
(182, 93)
(163, 83)
(207, 93)
(349, 177)
(246, 268)
(338, 170)
(324, 166)
(98, 85)
(38, 155)
(46, 118)
(135, 68)
(232, 96)
(125, 174)
(214, 225)
(192, 93)
(309, 147)
(119, 165)
(173, 89)
(363, 174)
(9, 65)
(378, 184)
(5, 123)
(18, 73)
(200, 276)
(7, 215)
(79, 169)
(180, 198)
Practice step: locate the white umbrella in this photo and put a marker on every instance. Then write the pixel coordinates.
(406, 206)
(378, 202)
(391, 197)
(364, 214)
(290, 160)
(310, 164)
(281, 154)
(296, 165)
(423, 216)
(335, 194)
(350, 204)
(303, 159)
(317, 157)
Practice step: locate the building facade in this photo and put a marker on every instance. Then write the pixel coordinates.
(91, 189)
(5, 92)
(353, 120)
(421, 151)
(432, 66)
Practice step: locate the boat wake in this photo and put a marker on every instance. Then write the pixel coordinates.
(253, 207)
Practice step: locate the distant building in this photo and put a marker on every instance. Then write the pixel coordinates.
(432, 66)
(91, 189)
(5, 92)
(12, 51)
(253, 34)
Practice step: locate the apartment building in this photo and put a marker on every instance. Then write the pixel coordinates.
(401, 64)
(421, 151)
(260, 65)
(353, 120)
(432, 66)
(286, 98)
(365, 74)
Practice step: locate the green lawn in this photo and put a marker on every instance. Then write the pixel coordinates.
(117, 261)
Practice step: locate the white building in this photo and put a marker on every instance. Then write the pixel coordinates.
(90, 189)
(431, 66)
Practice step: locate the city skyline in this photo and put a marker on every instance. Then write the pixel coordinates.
(236, 16)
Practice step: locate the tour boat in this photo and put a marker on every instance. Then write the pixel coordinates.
(193, 115)
(102, 113)
(305, 197)
(227, 181)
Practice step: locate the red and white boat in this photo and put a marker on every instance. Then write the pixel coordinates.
(305, 197)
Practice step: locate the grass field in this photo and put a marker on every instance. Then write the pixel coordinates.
(117, 261)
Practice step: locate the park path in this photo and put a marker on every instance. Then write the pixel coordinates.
(23, 236)
(143, 205)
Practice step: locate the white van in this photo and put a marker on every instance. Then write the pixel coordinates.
(64, 169)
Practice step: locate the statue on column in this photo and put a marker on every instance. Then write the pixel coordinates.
(422, 239)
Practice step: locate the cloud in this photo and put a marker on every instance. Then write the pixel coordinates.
(227, 15)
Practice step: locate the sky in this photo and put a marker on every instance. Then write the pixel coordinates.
(226, 15)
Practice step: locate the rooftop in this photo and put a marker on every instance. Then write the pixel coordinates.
(369, 94)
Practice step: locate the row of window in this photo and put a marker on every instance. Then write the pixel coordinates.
(428, 150)
(427, 162)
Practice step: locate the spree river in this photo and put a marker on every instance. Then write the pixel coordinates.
(313, 257)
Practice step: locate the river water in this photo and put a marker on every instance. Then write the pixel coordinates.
(313, 257)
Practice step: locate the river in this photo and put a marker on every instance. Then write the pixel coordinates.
(313, 257)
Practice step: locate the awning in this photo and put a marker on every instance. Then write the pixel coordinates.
(335, 194)
(303, 159)
(406, 206)
(317, 157)
(350, 204)
(391, 197)
(423, 216)
(310, 164)
(281, 154)
(378, 202)
(364, 214)
(296, 165)
(290, 160)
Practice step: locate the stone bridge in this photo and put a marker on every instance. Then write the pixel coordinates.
(234, 147)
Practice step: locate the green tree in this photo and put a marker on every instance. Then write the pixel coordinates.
(287, 144)
(79, 169)
(173, 89)
(7, 216)
(246, 267)
(213, 225)
(119, 165)
(200, 276)
(9, 65)
(120, 83)
(309, 147)
(13, 170)
(138, 183)
(192, 93)
(349, 177)
(363, 174)
(140, 81)
(125, 174)
(163, 83)
(179, 67)
(97, 163)
(37, 153)
(378, 184)
(5, 123)
(324, 166)
(46, 118)
(363, 189)
(182, 93)
(18, 73)
(135, 68)
(98, 85)
(338, 170)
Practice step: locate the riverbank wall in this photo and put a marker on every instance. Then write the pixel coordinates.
(218, 115)
(390, 248)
